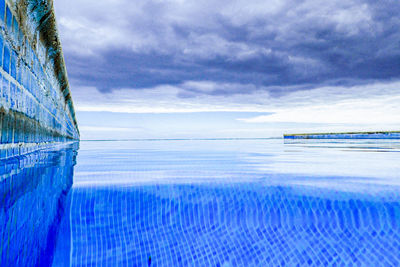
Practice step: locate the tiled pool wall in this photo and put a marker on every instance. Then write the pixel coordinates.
(33, 189)
(35, 102)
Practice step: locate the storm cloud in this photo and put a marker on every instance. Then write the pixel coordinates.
(229, 47)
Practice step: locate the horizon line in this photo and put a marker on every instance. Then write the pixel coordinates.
(183, 139)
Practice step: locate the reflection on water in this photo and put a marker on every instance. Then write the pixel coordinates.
(233, 203)
(358, 164)
(33, 189)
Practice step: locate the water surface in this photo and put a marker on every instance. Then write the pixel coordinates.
(234, 203)
(204, 203)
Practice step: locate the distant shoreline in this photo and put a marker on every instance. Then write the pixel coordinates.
(346, 135)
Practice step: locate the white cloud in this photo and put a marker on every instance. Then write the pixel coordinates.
(164, 99)
(382, 110)
(85, 128)
(371, 106)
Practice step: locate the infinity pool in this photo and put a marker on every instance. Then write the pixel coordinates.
(205, 203)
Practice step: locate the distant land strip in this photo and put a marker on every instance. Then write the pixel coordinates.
(346, 135)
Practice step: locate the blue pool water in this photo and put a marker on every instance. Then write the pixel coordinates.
(205, 203)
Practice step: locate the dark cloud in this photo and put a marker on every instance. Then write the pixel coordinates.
(298, 46)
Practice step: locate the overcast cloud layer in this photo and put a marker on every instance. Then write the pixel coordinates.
(278, 45)
(309, 65)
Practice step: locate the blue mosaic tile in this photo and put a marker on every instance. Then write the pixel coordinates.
(6, 58)
(5, 90)
(1, 50)
(13, 100)
(8, 18)
(13, 67)
(15, 29)
(231, 225)
(2, 11)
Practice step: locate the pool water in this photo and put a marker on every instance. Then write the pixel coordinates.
(261, 202)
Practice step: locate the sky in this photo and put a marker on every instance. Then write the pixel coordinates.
(221, 69)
